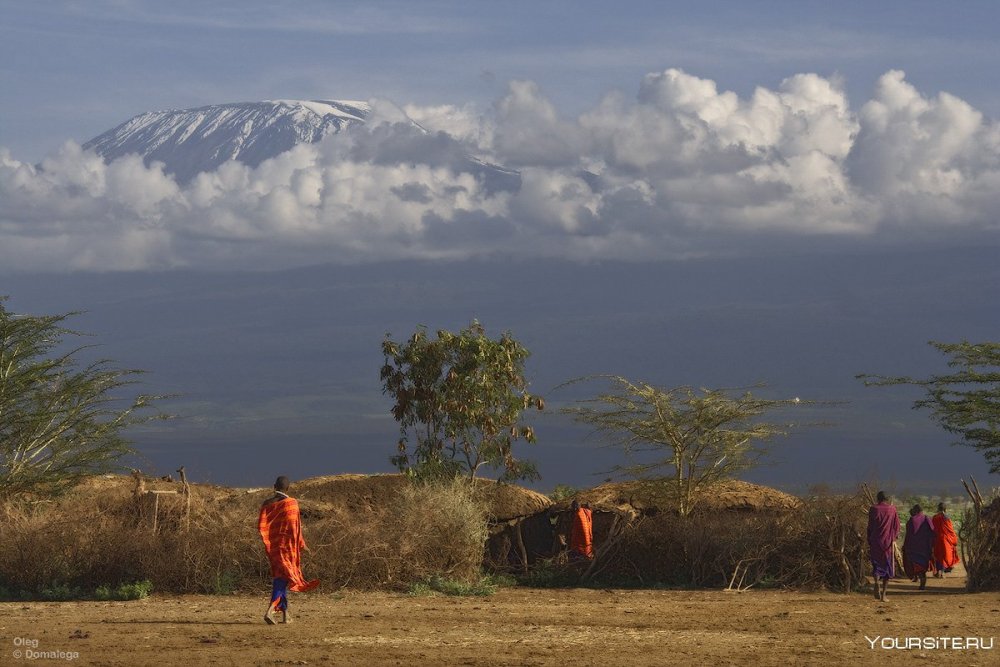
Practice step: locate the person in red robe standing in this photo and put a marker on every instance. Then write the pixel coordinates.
(281, 531)
(945, 542)
(581, 536)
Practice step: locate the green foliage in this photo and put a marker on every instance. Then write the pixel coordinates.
(138, 590)
(458, 400)
(59, 420)
(483, 587)
(61, 593)
(563, 492)
(684, 437)
(224, 582)
(966, 402)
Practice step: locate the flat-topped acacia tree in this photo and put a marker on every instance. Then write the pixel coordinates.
(458, 398)
(60, 420)
(682, 439)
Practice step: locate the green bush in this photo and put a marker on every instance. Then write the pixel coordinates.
(138, 590)
(485, 586)
(61, 593)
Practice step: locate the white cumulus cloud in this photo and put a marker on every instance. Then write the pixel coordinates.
(680, 168)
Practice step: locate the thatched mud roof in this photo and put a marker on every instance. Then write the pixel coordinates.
(508, 501)
(353, 493)
(725, 496)
(361, 493)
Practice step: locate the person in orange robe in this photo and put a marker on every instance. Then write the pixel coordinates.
(945, 542)
(581, 536)
(281, 531)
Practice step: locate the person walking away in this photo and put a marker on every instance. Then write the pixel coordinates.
(945, 542)
(883, 527)
(281, 530)
(918, 546)
(581, 536)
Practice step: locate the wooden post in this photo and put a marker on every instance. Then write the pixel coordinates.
(140, 484)
(153, 508)
(186, 491)
(520, 547)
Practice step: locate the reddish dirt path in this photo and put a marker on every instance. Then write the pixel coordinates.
(514, 627)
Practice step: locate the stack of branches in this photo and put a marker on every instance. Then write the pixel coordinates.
(818, 545)
(823, 545)
(979, 537)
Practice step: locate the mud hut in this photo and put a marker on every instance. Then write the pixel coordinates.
(617, 505)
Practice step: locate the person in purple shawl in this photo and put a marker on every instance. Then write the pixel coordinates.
(883, 526)
(918, 546)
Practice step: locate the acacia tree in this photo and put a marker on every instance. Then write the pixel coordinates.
(683, 437)
(965, 402)
(458, 400)
(59, 420)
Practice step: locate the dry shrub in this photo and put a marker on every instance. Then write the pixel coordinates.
(819, 545)
(426, 531)
(444, 531)
(106, 544)
(422, 532)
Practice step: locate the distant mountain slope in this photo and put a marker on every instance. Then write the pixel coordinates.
(190, 141)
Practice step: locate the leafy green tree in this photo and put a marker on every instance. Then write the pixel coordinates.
(59, 420)
(563, 492)
(684, 438)
(966, 401)
(458, 400)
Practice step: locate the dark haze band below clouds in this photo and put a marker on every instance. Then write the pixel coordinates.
(280, 369)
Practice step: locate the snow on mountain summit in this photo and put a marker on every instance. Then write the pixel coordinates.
(189, 141)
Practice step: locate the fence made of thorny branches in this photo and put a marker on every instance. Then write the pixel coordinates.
(821, 544)
(209, 547)
(979, 538)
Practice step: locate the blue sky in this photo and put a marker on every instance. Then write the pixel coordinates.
(71, 70)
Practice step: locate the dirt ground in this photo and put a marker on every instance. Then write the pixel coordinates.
(516, 626)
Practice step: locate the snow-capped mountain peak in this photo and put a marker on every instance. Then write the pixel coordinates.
(189, 141)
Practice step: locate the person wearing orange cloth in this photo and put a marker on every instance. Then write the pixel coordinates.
(581, 536)
(945, 542)
(281, 531)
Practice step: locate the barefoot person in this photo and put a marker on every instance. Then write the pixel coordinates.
(581, 536)
(281, 531)
(945, 542)
(918, 546)
(883, 526)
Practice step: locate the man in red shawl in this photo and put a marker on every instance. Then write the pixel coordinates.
(581, 535)
(945, 542)
(883, 527)
(281, 531)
